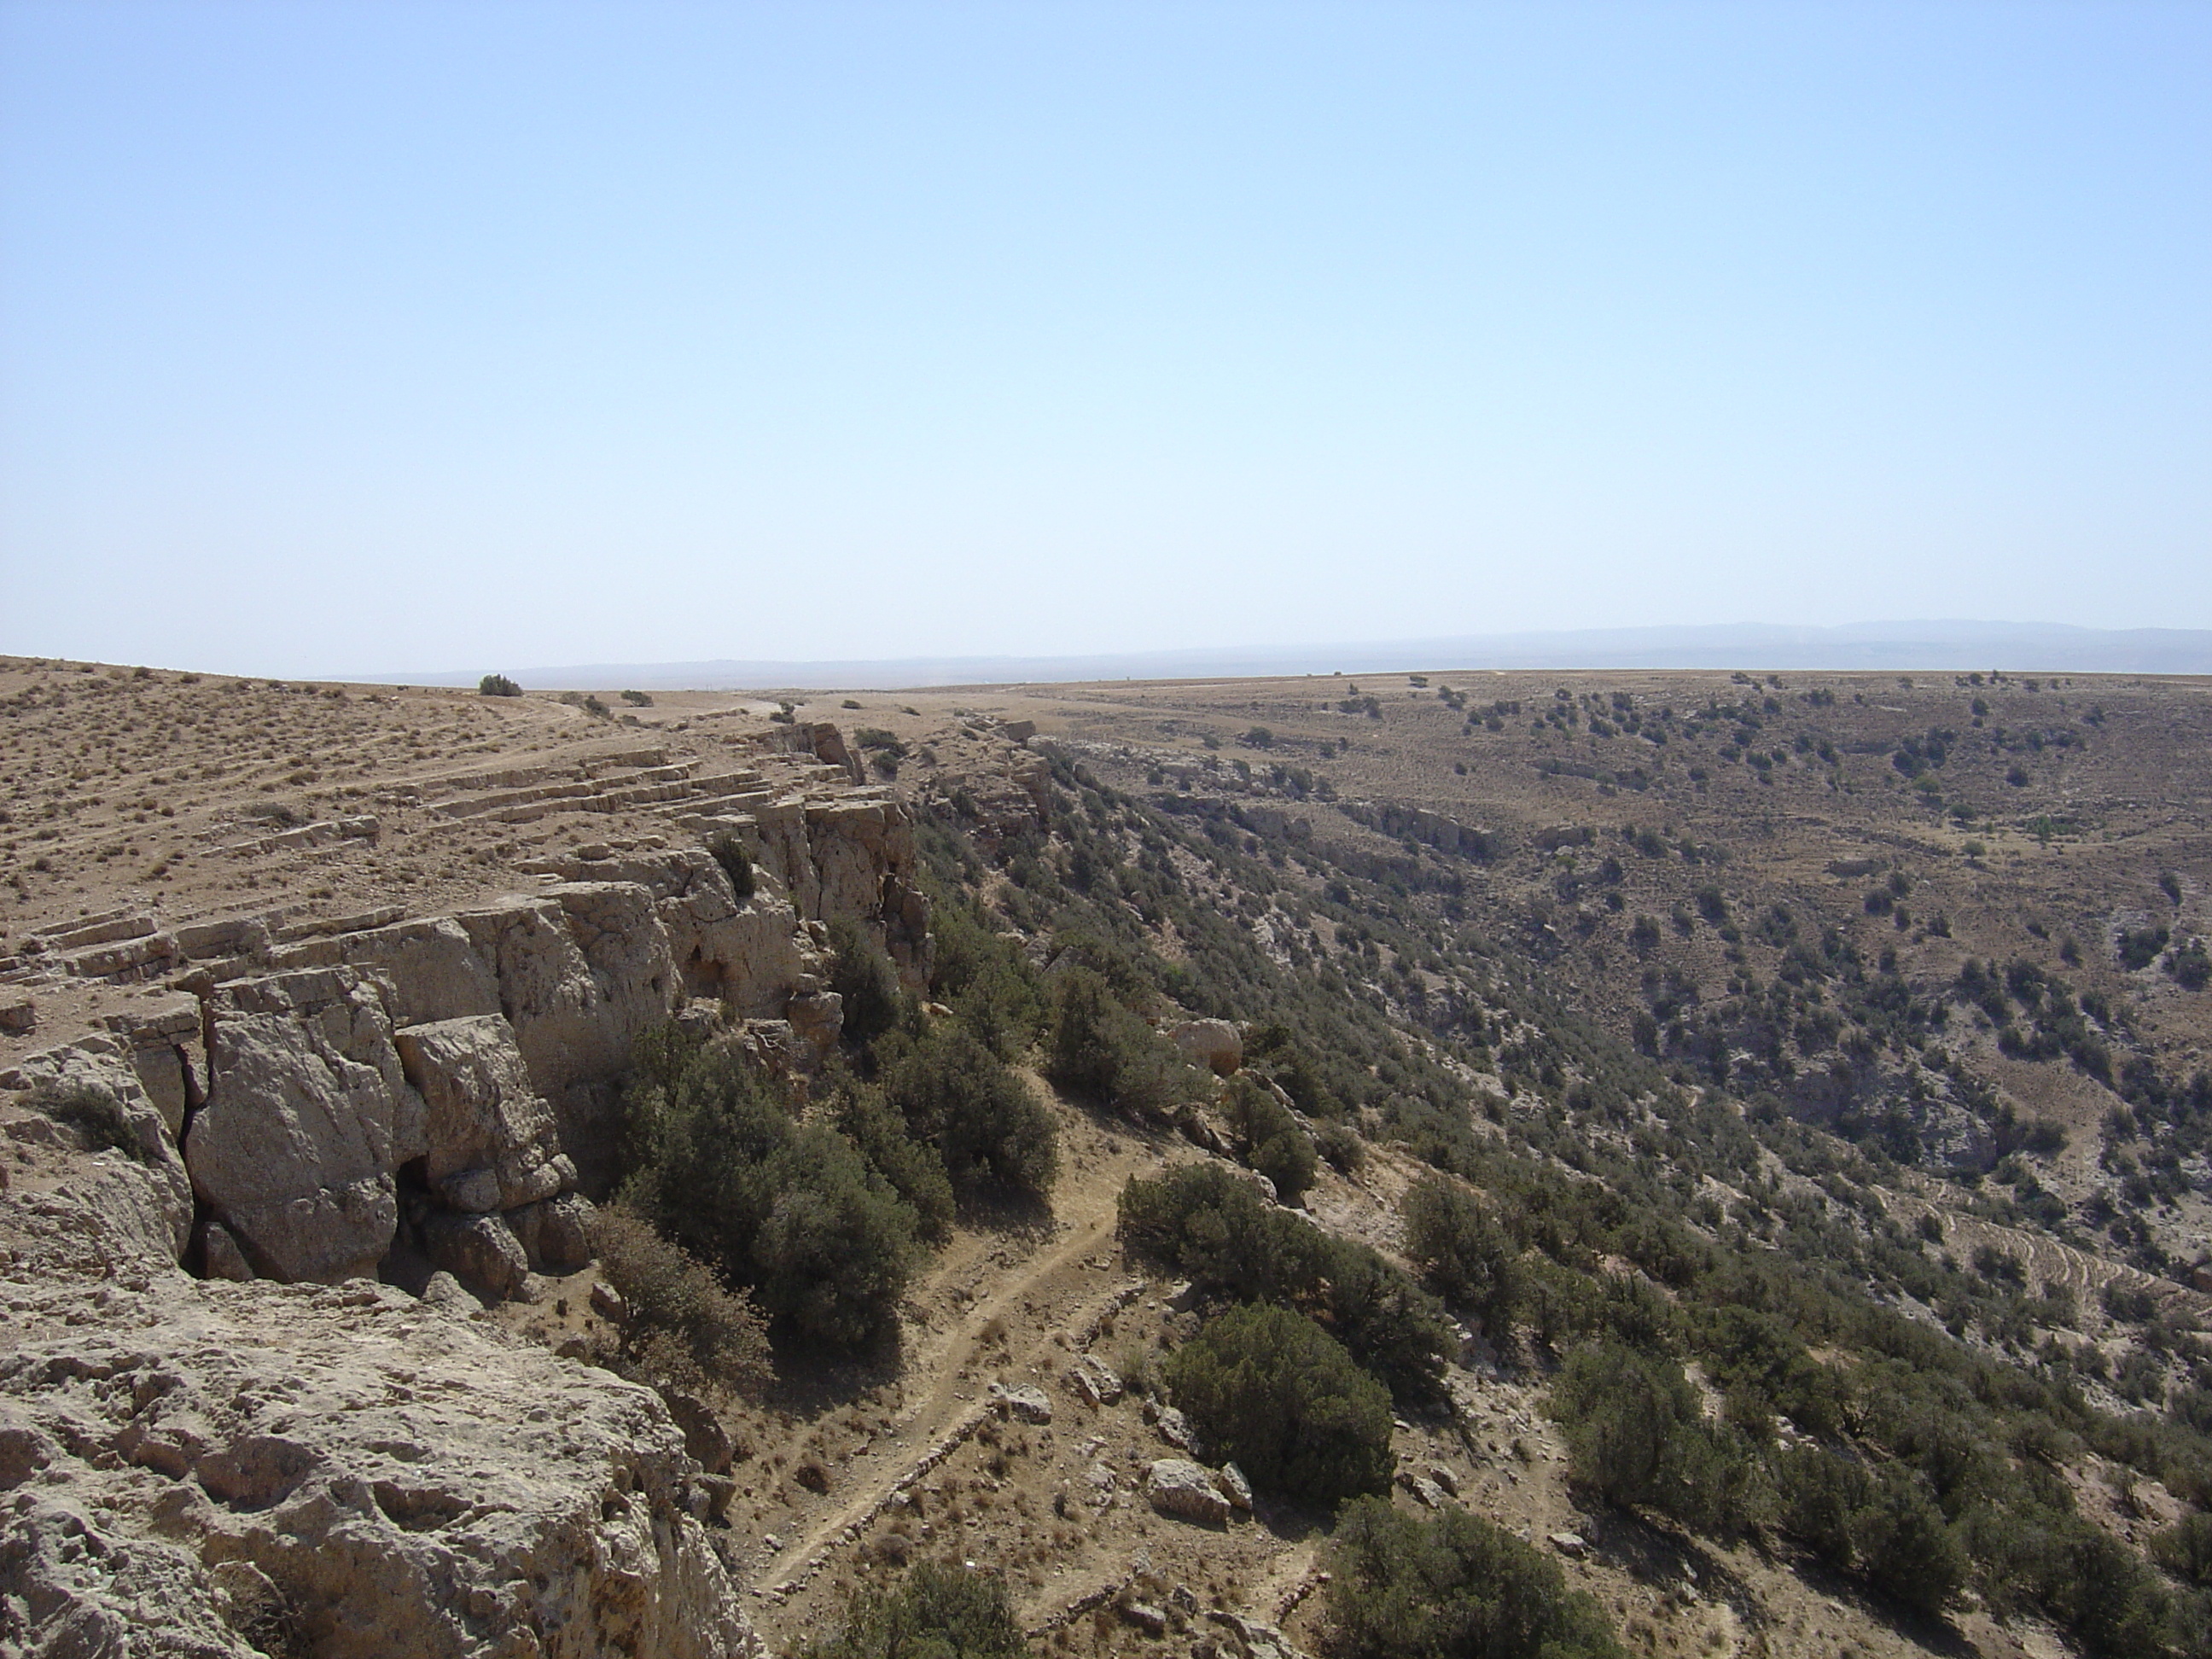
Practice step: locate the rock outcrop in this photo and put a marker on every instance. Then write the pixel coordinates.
(491, 1143)
(309, 1117)
(1178, 1487)
(346, 1469)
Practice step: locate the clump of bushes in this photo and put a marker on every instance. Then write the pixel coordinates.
(1885, 1525)
(1269, 1138)
(729, 852)
(938, 1611)
(1208, 1224)
(792, 1209)
(1403, 1586)
(1105, 1053)
(1465, 1255)
(957, 1096)
(684, 1327)
(1271, 1391)
(986, 981)
(863, 974)
(1637, 1435)
(497, 685)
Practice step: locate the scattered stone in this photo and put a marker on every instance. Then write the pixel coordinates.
(480, 1250)
(1174, 1428)
(1092, 1380)
(1234, 1486)
(18, 1014)
(1178, 1487)
(1145, 1617)
(1569, 1543)
(1442, 1474)
(607, 1303)
(442, 1290)
(556, 1234)
(1028, 1405)
(1427, 1492)
(705, 1437)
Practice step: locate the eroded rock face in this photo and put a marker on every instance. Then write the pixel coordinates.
(308, 1116)
(491, 1139)
(129, 1203)
(582, 969)
(366, 1473)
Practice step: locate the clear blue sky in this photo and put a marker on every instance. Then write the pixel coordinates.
(429, 336)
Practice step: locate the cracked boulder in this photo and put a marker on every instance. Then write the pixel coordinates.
(492, 1143)
(308, 1116)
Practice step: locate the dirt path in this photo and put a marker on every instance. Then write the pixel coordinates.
(943, 1403)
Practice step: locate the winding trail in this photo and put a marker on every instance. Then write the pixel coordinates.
(945, 1407)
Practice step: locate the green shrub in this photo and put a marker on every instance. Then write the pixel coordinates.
(1403, 1586)
(1464, 1254)
(2184, 1549)
(1904, 1546)
(497, 685)
(638, 699)
(1208, 1224)
(915, 1171)
(1818, 1496)
(1341, 1146)
(737, 864)
(956, 1096)
(2191, 966)
(1107, 1054)
(986, 979)
(1269, 1138)
(1746, 1349)
(1636, 1434)
(938, 1611)
(863, 974)
(683, 1327)
(1273, 1392)
(835, 1246)
(791, 1209)
(94, 1113)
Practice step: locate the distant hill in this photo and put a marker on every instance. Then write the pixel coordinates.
(1906, 646)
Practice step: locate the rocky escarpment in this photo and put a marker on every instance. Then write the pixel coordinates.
(440, 1087)
(278, 1452)
(202, 1468)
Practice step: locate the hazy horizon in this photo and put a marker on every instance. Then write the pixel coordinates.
(413, 336)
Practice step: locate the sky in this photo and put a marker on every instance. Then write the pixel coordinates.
(401, 336)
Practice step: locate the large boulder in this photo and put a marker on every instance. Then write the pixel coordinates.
(739, 951)
(1216, 1044)
(429, 962)
(216, 1469)
(1186, 1491)
(482, 1251)
(132, 1200)
(556, 1235)
(308, 1116)
(492, 1144)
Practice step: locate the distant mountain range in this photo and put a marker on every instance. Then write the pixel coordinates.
(2031, 647)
